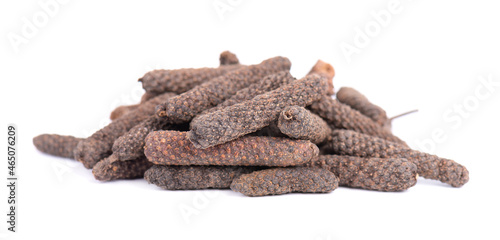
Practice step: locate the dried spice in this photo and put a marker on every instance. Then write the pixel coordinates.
(57, 145)
(98, 146)
(299, 123)
(174, 148)
(381, 174)
(342, 116)
(358, 101)
(122, 110)
(184, 107)
(194, 177)
(228, 58)
(110, 169)
(326, 70)
(285, 180)
(351, 143)
(249, 116)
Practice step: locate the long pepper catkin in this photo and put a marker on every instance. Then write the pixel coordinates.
(240, 119)
(98, 146)
(285, 180)
(56, 145)
(122, 110)
(173, 148)
(299, 123)
(352, 143)
(110, 169)
(381, 174)
(228, 58)
(326, 70)
(195, 177)
(358, 101)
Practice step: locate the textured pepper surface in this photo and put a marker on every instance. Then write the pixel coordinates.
(57, 145)
(110, 169)
(351, 143)
(285, 180)
(358, 101)
(194, 177)
(381, 174)
(342, 116)
(122, 110)
(299, 123)
(184, 107)
(240, 119)
(326, 70)
(173, 148)
(98, 146)
(228, 58)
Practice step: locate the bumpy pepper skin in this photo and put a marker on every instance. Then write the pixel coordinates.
(56, 145)
(240, 119)
(326, 70)
(285, 180)
(122, 110)
(299, 123)
(110, 169)
(358, 101)
(351, 143)
(173, 148)
(194, 177)
(380, 174)
(228, 58)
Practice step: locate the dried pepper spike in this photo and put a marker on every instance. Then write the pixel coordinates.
(122, 110)
(352, 143)
(189, 104)
(285, 180)
(194, 177)
(110, 169)
(240, 119)
(326, 70)
(341, 116)
(56, 145)
(174, 148)
(98, 146)
(358, 101)
(228, 58)
(381, 174)
(299, 123)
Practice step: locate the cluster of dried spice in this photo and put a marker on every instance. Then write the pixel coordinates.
(254, 129)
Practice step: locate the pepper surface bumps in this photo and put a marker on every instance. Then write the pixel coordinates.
(285, 180)
(326, 70)
(351, 143)
(110, 169)
(299, 123)
(194, 177)
(57, 145)
(358, 101)
(249, 116)
(228, 58)
(174, 148)
(381, 174)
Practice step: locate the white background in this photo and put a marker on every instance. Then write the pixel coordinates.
(86, 58)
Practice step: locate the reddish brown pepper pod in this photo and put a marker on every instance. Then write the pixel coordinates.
(351, 143)
(98, 146)
(299, 123)
(228, 58)
(326, 70)
(249, 116)
(194, 177)
(358, 101)
(57, 145)
(174, 148)
(122, 110)
(381, 174)
(110, 169)
(285, 180)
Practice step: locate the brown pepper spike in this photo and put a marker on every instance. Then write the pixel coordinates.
(56, 145)
(342, 116)
(351, 143)
(189, 104)
(194, 177)
(173, 148)
(326, 70)
(110, 169)
(228, 58)
(358, 101)
(249, 116)
(299, 123)
(381, 174)
(98, 146)
(285, 180)
(122, 110)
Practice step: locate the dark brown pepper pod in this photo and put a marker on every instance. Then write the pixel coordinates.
(174, 148)
(299, 123)
(228, 58)
(56, 145)
(358, 101)
(122, 110)
(351, 143)
(240, 119)
(110, 169)
(194, 177)
(326, 70)
(381, 174)
(285, 180)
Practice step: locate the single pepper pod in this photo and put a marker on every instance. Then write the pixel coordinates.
(98, 146)
(240, 119)
(194, 177)
(358, 101)
(122, 110)
(56, 145)
(228, 58)
(381, 174)
(285, 180)
(326, 70)
(352, 143)
(174, 148)
(299, 123)
(110, 169)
